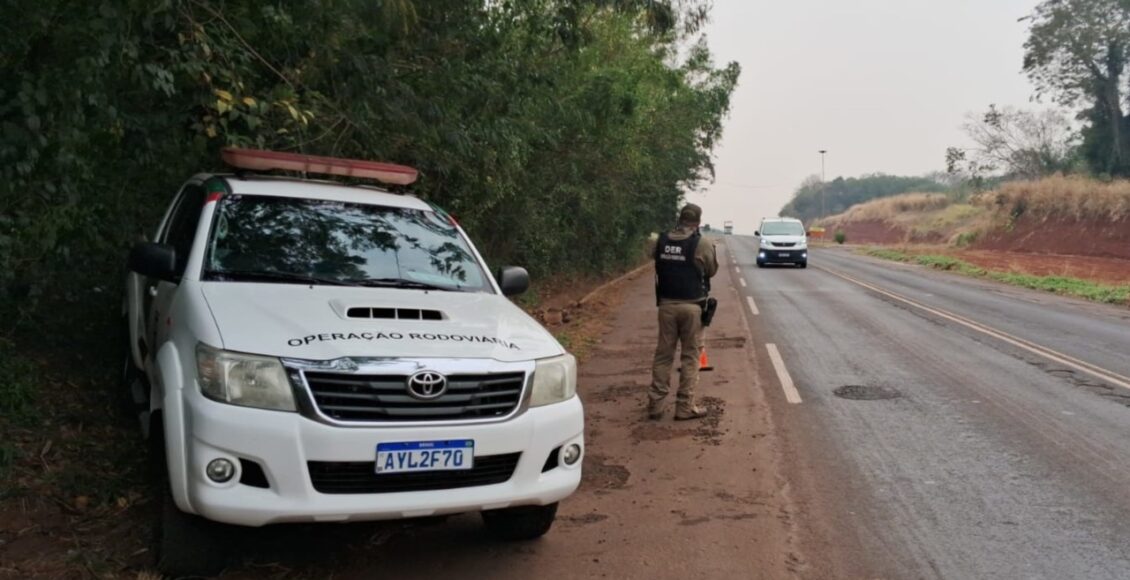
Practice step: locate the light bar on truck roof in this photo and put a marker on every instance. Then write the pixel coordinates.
(259, 160)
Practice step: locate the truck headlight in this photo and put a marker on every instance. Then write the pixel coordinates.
(555, 380)
(243, 379)
(765, 243)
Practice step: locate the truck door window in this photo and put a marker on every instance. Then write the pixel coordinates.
(183, 224)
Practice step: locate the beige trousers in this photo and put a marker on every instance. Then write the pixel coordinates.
(679, 325)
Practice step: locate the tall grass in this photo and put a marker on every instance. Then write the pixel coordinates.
(1076, 197)
(888, 208)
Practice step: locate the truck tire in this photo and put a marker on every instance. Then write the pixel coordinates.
(186, 546)
(130, 379)
(520, 523)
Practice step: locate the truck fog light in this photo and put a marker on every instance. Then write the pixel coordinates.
(571, 454)
(804, 254)
(761, 254)
(220, 470)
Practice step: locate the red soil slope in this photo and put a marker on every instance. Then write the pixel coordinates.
(1102, 239)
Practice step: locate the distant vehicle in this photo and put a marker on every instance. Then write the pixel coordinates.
(783, 241)
(728, 227)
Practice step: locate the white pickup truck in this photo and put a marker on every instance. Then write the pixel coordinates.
(312, 351)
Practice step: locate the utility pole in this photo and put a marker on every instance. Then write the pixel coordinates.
(823, 211)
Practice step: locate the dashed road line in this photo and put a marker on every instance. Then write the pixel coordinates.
(752, 305)
(737, 270)
(742, 280)
(1055, 356)
(791, 394)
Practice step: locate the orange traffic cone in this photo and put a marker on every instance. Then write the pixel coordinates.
(703, 360)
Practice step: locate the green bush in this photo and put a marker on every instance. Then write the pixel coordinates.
(965, 239)
(840, 237)
(888, 254)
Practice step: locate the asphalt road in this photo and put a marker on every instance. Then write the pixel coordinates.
(1006, 452)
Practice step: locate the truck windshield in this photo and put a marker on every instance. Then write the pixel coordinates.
(280, 239)
(782, 229)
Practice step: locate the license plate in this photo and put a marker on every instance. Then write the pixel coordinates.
(782, 254)
(413, 456)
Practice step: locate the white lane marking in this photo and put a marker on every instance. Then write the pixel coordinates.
(752, 305)
(791, 394)
(742, 280)
(1056, 356)
(737, 270)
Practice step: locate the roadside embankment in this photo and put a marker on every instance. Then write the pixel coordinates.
(1066, 228)
(1073, 216)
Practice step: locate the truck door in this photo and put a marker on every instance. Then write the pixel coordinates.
(159, 294)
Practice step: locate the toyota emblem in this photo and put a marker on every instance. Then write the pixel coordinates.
(427, 385)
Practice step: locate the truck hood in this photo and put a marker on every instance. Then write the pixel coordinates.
(322, 323)
(784, 239)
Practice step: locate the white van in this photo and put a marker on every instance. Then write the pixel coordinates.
(310, 351)
(782, 241)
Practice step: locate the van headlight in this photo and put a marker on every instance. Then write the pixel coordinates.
(243, 379)
(765, 243)
(555, 380)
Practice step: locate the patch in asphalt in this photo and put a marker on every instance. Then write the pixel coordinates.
(629, 391)
(866, 392)
(707, 430)
(589, 518)
(600, 474)
(726, 342)
(652, 431)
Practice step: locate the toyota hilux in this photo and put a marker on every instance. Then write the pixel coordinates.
(322, 351)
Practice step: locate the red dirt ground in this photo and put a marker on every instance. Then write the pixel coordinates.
(1106, 270)
(870, 232)
(1089, 249)
(1109, 239)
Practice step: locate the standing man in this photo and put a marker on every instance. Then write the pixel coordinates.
(684, 264)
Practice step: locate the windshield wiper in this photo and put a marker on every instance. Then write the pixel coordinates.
(268, 276)
(401, 283)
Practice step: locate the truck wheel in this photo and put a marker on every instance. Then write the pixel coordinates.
(188, 545)
(802, 264)
(520, 523)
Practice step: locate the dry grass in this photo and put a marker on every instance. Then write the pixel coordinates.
(929, 217)
(889, 208)
(1080, 198)
(924, 216)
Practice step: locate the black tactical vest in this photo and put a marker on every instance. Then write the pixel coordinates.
(676, 275)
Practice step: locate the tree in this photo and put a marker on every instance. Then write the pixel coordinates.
(1076, 52)
(1028, 144)
(560, 132)
(840, 193)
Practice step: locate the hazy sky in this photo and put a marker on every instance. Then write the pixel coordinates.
(883, 85)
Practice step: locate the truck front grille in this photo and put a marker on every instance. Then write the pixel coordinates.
(385, 398)
(361, 477)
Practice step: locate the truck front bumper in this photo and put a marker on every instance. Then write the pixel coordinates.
(289, 449)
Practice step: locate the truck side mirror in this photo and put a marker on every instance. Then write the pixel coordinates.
(154, 261)
(513, 280)
(757, 233)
